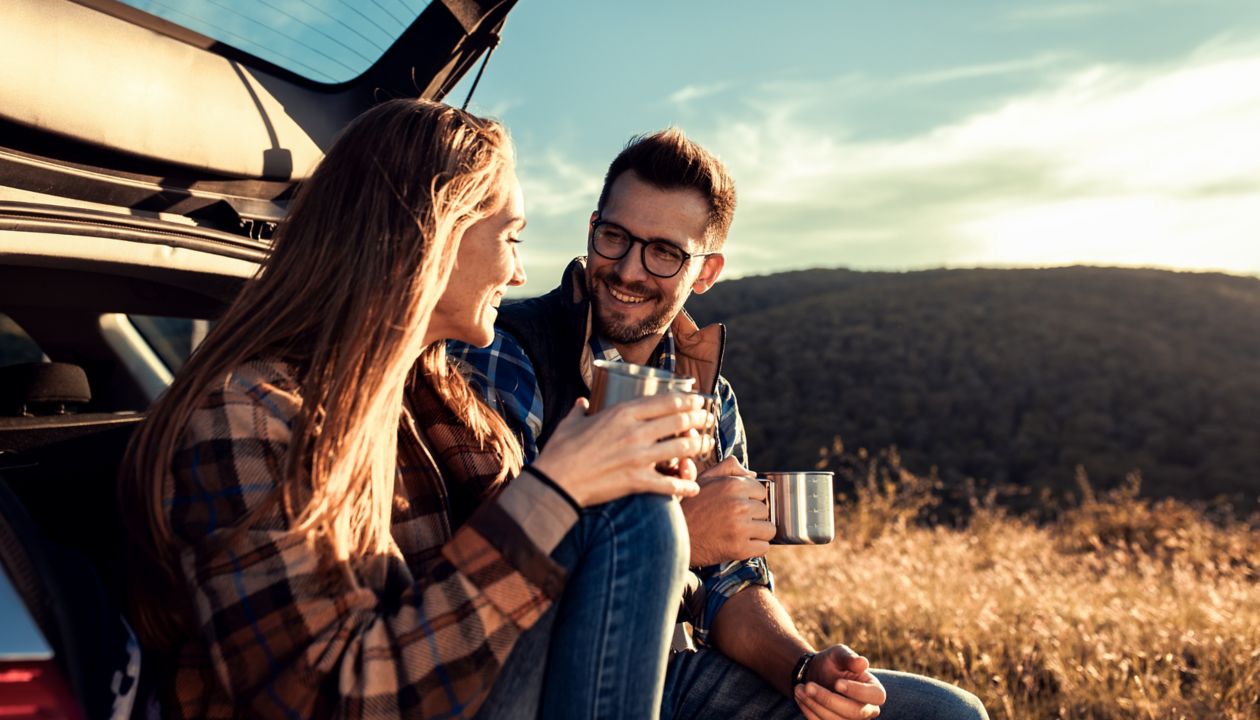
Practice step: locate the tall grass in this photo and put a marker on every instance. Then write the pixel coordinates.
(1117, 606)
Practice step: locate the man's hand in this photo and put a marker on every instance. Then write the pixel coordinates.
(839, 685)
(729, 519)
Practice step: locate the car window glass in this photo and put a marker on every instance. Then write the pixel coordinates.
(172, 338)
(15, 345)
(328, 41)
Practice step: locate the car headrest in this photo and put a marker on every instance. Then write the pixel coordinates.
(42, 389)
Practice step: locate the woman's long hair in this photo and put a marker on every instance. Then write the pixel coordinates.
(345, 296)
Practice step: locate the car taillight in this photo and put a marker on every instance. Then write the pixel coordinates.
(35, 690)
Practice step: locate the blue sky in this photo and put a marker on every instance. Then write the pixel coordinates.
(903, 135)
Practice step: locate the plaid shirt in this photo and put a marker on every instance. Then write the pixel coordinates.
(505, 376)
(278, 631)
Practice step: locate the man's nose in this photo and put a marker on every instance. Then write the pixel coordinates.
(630, 266)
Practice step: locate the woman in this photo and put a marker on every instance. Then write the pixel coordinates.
(333, 523)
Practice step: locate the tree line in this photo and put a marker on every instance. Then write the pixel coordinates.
(1006, 377)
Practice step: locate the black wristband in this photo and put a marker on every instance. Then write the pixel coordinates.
(546, 480)
(802, 667)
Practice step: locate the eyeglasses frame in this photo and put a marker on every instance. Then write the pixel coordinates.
(643, 246)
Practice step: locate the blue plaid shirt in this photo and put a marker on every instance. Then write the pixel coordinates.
(505, 376)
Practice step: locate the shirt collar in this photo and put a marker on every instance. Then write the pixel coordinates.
(662, 356)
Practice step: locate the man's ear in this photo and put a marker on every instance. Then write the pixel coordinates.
(709, 273)
(590, 224)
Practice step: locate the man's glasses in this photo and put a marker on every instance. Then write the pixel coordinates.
(662, 259)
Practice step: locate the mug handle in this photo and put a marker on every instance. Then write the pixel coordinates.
(770, 504)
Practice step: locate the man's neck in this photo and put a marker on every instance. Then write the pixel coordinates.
(639, 352)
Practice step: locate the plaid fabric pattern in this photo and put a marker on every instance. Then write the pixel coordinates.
(280, 630)
(505, 376)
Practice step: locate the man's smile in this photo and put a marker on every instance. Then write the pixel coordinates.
(623, 297)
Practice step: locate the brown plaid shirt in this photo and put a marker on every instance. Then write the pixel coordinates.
(281, 632)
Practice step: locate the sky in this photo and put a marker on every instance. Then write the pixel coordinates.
(903, 134)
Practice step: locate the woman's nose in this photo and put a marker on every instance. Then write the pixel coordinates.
(518, 270)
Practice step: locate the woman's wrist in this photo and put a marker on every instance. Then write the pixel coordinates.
(547, 480)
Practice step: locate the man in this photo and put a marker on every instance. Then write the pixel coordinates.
(656, 236)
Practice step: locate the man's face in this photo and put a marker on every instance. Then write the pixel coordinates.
(631, 304)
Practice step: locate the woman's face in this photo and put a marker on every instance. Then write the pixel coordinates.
(486, 264)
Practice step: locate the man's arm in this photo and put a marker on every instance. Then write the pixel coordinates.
(505, 377)
(754, 630)
(743, 620)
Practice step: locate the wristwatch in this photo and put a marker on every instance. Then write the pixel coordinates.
(801, 668)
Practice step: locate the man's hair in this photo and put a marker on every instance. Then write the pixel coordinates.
(669, 160)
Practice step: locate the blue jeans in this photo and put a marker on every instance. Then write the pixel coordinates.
(706, 685)
(601, 650)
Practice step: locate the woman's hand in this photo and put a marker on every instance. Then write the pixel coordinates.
(613, 453)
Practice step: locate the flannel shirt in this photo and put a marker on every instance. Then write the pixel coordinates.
(505, 376)
(278, 631)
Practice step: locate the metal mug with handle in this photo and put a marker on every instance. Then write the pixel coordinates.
(802, 506)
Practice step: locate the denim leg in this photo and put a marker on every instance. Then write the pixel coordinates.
(706, 685)
(915, 696)
(611, 638)
(600, 651)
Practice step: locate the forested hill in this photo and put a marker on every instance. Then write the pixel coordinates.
(1008, 376)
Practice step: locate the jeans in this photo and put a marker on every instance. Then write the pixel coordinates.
(706, 685)
(600, 651)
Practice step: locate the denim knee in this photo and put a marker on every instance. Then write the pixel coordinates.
(655, 526)
(911, 695)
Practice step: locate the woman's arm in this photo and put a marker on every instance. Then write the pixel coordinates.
(289, 635)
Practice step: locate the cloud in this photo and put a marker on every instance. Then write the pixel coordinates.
(1147, 165)
(688, 93)
(560, 194)
(1058, 12)
(556, 186)
(985, 70)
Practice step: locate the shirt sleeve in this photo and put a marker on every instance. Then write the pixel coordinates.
(505, 377)
(731, 425)
(719, 583)
(288, 634)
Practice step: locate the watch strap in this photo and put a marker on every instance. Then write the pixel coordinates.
(801, 668)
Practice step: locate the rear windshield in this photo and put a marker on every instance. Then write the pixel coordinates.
(172, 338)
(328, 41)
(16, 347)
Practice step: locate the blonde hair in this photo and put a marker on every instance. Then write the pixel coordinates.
(346, 296)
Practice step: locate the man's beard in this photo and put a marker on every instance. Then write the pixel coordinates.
(611, 327)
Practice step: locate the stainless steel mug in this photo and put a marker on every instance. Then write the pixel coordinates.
(802, 507)
(617, 382)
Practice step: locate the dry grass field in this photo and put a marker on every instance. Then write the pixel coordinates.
(1115, 607)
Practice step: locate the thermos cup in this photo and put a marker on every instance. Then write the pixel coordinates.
(617, 382)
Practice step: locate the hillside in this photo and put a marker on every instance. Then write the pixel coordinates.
(1007, 376)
